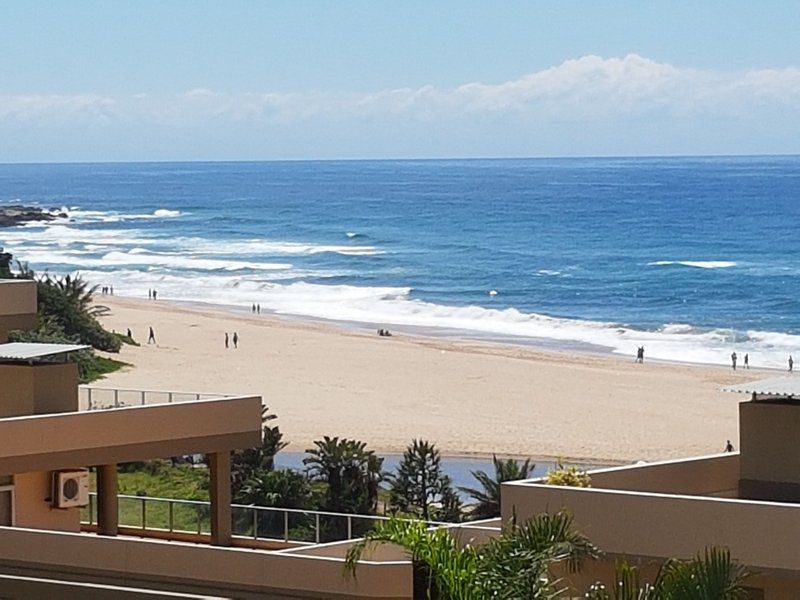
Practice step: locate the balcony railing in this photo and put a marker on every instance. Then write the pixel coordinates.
(259, 523)
(96, 398)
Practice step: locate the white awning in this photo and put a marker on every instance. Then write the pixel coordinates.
(31, 351)
(787, 385)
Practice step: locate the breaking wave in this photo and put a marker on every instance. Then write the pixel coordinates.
(697, 264)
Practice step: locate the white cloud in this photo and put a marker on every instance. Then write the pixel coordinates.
(589, 105)
(590, 86)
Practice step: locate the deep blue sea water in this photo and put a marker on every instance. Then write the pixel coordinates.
(691, 257)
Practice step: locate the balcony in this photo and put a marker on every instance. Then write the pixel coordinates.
(102, 398)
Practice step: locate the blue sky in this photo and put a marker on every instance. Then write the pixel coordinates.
(270, 80)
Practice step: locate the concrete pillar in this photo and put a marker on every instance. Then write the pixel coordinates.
(107, 500)
(220, 491)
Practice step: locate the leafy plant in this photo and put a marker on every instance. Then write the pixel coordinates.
(283, 488)
(711, 575)
(487, 499)
(570, 476)
(516, 565)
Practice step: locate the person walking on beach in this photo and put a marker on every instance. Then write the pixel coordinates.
(149, 294)
(791, 363)
(130, 333)
(746, 361)
(226, 340)
(235, 340)
(733, 360)
(254, 309)
(640, 355)
(258, 309)
(154, 294)
(151, 339)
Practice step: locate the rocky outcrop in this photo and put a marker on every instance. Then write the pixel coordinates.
(17, 214)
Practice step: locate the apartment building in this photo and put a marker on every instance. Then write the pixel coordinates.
(59, 540)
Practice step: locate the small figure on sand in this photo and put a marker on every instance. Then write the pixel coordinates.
(640, 354)
(733, 360)
(151, 339)
(746, 361)
(155, 295)
(728, 446)
(258, 309)
(384, 333)
(235, 340)
(254, 309)
(791, 363)
(129, 333)
(149, 294)
(227, 345)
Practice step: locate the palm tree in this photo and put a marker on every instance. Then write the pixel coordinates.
(515, 565)
(711, 575)
(488, 499)
(352, 474)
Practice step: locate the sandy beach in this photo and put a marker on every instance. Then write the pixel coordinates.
(469, 398)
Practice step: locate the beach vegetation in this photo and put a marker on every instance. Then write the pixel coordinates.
(419, 486)
(487, 497)
(520, 563)
(529, 561)
(282, 488)
(67, 314)
(90, 365)
(711, 575)
(570, 476)
(350, 473)
(255, 463)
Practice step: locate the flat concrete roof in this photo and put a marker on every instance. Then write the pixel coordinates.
(787, 385)
(30, 351)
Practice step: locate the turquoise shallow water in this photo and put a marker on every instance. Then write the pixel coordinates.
(691, 257)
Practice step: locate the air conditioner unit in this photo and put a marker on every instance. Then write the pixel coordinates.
(70, 488)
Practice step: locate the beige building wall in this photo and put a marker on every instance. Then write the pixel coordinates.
(17, 306)
(716, 475)
(38, 389)
(33, 505)
(198, 568)
(770, 450)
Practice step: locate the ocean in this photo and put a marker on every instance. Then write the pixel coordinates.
(693, 258)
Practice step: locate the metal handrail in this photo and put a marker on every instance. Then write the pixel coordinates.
(253, 522)
(142, 395)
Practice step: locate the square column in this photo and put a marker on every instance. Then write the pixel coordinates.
(107, 500)
(220, 492)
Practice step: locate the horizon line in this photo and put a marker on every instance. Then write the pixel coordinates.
(400, 159)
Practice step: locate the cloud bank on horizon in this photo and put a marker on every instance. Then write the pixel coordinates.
(585, 106)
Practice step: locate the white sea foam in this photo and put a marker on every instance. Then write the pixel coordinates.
(698, 264)
(177, 260)
(94, 216)
(395, 306)
(260, 246)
